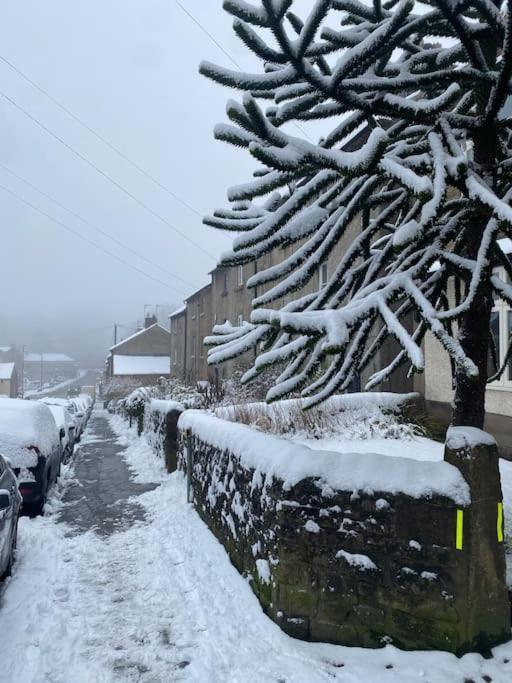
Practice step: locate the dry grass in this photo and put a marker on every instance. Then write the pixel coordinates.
(360, 422)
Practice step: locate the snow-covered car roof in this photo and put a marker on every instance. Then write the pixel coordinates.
(25, 424)
(59, 415)
(50, 401)
(79, 403)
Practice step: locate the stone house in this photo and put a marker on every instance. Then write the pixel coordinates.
(199, 323)
(44, 367)
(8, 380)
(142, 357)
(178, 348)
(13, 354)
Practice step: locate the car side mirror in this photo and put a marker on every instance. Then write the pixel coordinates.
(5, 500)
(62, 432)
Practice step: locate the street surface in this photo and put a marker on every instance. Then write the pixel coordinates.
(100, 498)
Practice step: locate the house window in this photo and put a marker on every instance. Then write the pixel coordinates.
(225, 282)
(175, 356)
(501, 330)
(240, 276)
(323, 274)
(240, 320)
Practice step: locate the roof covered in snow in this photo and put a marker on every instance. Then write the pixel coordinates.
(6, 370)
(198, 291)
(48, 358)
(140, 333)
(141, 365)
(24, 424)
(178, 311)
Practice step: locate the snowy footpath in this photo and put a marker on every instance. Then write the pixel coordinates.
(156, 600)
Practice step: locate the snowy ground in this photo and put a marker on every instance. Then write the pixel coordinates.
(160, 602)
(36, 393)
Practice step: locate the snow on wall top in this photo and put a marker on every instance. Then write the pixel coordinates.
(141, 365)
(367, 472)
(162, 406)
(468, 437)
(26, 423)
(6, 370)
(48, 358)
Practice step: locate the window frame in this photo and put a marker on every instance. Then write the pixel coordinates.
(322, 282)
(504, 310)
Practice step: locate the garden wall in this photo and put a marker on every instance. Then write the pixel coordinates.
(351, 549)
(161, 429)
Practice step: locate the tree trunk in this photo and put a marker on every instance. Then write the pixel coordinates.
(474, 337)
(487, 615)
(474, 333)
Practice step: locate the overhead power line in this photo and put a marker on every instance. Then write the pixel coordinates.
(100, 137)
(94, 227)
(89, 241)
(224, 51)
(210, 36)
(103, 174)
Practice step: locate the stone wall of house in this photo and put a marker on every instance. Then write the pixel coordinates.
(178, 344)
(353, 568)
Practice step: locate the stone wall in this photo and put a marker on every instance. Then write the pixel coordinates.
(346, 566)
(161, 429)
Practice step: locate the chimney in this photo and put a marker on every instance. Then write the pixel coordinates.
(150, 320)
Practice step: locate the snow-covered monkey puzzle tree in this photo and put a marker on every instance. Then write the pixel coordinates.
(422, 87)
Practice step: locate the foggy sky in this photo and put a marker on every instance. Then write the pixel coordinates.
(127, 68)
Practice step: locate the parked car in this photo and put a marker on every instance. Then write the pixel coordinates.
(80, 412)
(89, 401)
(71, 417)
(10, 504)
(30, 439)
(66, 426)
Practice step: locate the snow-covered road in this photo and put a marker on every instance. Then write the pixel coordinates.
(157, 600)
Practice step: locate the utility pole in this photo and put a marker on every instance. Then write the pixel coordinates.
(23, 371)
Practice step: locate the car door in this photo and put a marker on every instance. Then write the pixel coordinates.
(6, 516)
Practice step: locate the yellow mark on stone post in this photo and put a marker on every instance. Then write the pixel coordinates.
(459, 536)
(500, 523)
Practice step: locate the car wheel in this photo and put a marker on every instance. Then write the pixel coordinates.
(37, 509)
